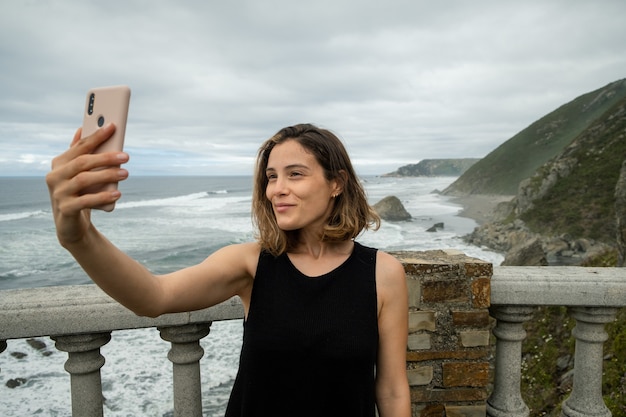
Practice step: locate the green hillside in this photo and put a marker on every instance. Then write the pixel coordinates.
(501, 171)
(582, 203)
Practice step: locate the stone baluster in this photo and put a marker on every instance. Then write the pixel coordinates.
(185, 355)
(586, 396)
(83, 364)
(506, 399)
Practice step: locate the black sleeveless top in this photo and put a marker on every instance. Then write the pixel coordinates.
(309, 344)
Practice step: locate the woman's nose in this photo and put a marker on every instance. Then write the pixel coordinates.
(280, 186)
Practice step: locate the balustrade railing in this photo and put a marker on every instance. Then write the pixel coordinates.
(593, 297)
(80, 320)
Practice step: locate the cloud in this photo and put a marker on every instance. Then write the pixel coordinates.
(398, 81)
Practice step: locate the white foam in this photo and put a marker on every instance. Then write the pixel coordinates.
(7, 217)
(169, 201)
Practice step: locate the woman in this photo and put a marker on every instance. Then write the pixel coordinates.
(325, 318)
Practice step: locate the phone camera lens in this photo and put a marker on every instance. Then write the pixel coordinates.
(92, 97)
(100, 121)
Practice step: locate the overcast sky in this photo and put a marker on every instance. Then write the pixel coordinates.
(397, 81)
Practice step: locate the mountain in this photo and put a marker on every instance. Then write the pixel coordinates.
(571, 201)
(574, 193)
(434, 168)
(502, 170)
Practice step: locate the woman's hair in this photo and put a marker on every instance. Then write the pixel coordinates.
(351, 213)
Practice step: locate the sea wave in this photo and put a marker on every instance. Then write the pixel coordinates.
(169, 201)
(19, 273)
(7, 217)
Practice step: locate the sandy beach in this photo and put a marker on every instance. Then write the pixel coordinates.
(480, 207)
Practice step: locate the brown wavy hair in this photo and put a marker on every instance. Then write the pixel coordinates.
(351, 213)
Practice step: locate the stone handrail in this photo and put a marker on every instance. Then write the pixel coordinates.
(593, 296)
(80, 320)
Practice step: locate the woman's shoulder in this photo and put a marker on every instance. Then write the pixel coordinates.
(388, 267)
(243, 254)
(246, 248)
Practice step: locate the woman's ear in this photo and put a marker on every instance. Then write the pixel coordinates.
(340, 182)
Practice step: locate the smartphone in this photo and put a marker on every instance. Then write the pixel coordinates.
(104, 105)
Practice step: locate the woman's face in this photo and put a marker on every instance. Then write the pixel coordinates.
(297, 188)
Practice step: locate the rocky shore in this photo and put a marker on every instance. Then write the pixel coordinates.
(520, 246)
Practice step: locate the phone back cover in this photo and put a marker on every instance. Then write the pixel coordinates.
(110, 104)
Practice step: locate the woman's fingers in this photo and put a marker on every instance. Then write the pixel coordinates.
(72, 206)
(90, 162)
(77, 175)
(90, 169)
(88, 181)
(85, 145)
(69, 198)
(77, 136)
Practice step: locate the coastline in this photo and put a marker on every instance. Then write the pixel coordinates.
(479, 207)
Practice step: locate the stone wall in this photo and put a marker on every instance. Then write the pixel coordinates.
(449, 332)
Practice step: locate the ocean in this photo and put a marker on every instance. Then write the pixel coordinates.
(168, 223)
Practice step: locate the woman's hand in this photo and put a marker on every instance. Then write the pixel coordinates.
(77, 170)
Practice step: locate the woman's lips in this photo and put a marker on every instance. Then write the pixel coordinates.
(282, 207)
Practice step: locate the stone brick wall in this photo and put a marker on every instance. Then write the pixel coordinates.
(449, 330)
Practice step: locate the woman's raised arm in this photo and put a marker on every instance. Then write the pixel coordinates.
(226, 273)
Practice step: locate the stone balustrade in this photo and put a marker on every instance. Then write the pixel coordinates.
(593, 297)
(451, 300)
(80, 320)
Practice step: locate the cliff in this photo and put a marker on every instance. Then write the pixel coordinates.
(434, 168)
(571, 202)
(574, 193)
(502, 170)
